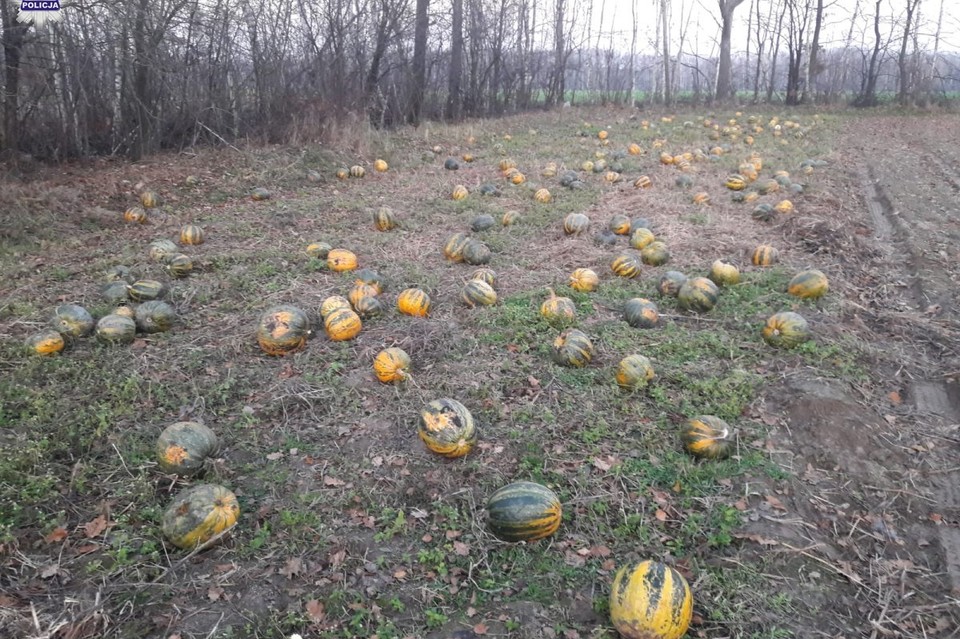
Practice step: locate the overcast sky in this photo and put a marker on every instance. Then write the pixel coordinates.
(838, 14)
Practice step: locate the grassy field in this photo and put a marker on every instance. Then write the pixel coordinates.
(349, 526)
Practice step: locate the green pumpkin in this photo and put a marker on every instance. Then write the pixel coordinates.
(523, 511)
(447, 428)
(478, 293)
(179, 265)
(786, 330)
(572, 348)
(183, 448)
(635, 372)
(454, 246)
(120, 274)
(482, 223)
(115, 292)
(763, 213)
(146, 290)
(154, 316)
(71, 320)
(476, 252)
(641, 313)
(698, 294)
(116, 329)
(707, 437)
(575, 223)
(670, 283)
(368, 306)
(655, 254)
(160, 250)
(197, 515)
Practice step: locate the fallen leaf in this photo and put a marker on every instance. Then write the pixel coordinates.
(95, 527)
(660, 515)
(85, 549)
(50, 571)
(332, 481)
(292, 568)
(400, 574)
(452, 534)
(214, 593)
(609, 564)
(315, 610)
(740, 504)
(481, 628)
(471, 611)
(461, 548)
(894, 398)
(336, 558)
(377, 461)
(57, 534)
(776, 503)
(275, 456)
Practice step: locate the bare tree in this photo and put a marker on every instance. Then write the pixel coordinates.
(665, 42)
(903, 95)
(813, 60)
(868, 92)
(724, 84)
(14, 35)
(421, 28)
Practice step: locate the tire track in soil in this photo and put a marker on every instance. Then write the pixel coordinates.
(939, 400)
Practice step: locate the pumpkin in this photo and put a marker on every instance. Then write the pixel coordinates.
(149, 199)
(341, 260)
(183, 448)
(506, 164)
(767, 186)
(765, 255)
(543, 196)
(146, 290)
(460, 192)
(357, 171)
(343, 173)
(476, 252)
(342, 325)
(370, 277)
(368, 306)
(612, 177)
(518, 178)
(811, 284)
(670, 283)
(650, 600)
(154, 317)
(763, 213)
(414, 301)
(796, 189)
(160, 250)
(550, 170)
(135, 215)
(510, 218)
(625, 265)
(454, 246)
(314, 176)
(724, 274)
(72, 320)
(701, 198)
(641, 238)
(191, 234)
(282, 329)
(745, 196)
(125, 311)
(784, 206)
(641, 313)
(786, 330)
(380, 166)
(115, 292)
(707, 437)
(116, 329)
(655, 254)
(568, 177)
(179, 265)
(558, 309)
(485, 274)
(575, 223)
(666, 158)
(482, 223)
(361, 290)
(333, 303)
(634, 149)
(489, 190)
(478, 292)
(46, 342)
(467, 157)
(572, 348)
(698, 294)
(619, 224)
(384, 219)
(683, 181)
(747, 171)
(447, 428)
(451, 164)
(584, 280)
(735, 182)
(199, 514)
(260, 194)
(602, 135)
(391, 365)
(600, 166)
(523, 511)
(587, 166)
(756, 161)
(120, 273)
(683, 165)
(634, 372)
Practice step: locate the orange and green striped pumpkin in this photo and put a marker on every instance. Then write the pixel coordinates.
(542, 196)
(650, 600)
(183, 448)
(260, 194)
(811, 284)
(154, 316)
(447, 428)
(357, 171)
(643, 182)
(179, 265)
(384, 219)
(634, 372)
(786, 330)
(369, 306)
(478, 293)
(641, 313)
(765, 255)
(460, 192)
(641, 238)
(584, 280)
(625, 265)
(136, 215)
(46, 342)
(146, 290)
(735, 182)
(319, 250)
(558, 309)
(149, 199)
(283, 329)
(333, 303)
(361, 290)
(191, 234)
(453, 248)
(392, 365)
(698, 294)
(724, 273)
(655, 254)
(486, 274)
(116, 329)
(199, 514)
(523, 511)
(476, 252)
(342, 325)
(160, 250)
(575, 223)
(510, 218)
(414, 301)
(707, 437)
(572, 348)
(619, 224)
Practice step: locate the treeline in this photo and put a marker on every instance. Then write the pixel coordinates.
(135, 77)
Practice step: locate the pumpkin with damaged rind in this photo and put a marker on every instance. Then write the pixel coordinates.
(641, 238)
(46, 342)
(584, 280)
(655, 254)
(478, 293)
(698, 294)
(572, 348)
(523, 511)
(199, 514)
(786, 330)
(146, 290)
(447, 428)
(707, 437)
(453, 248)
(575, 223)
(625, 265)
(319, 250)
(650, 600)
(765, 255)
(154, 317)
(670, 283)
(392, 365)
(116, 329)
(283, 329)
(191, 234)
(811, 284)
(414, 301)
(641, 313)
(126, 311)
(724, 273)
(160, 250)
(476, 252)
(783, 206)
(558, 309)
(333, 303)
(342, 325)
(619, 224)
(183, 448)
(635, 372)
(73, 320)
(384, 219)
(341, 260)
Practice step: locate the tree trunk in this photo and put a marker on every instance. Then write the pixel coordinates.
(776, 54)
(141, 84)
(456, 63)
(14, 34)
(868, 97)
(557, 88)
(724, 83)
(421, 27)
(813, 62)
(903, 95)
(665, 23)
